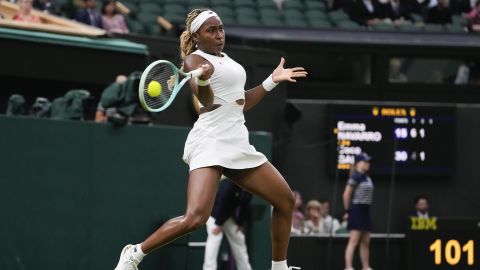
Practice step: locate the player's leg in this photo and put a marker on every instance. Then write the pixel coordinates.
(212, 246)
(351, 246)
(236, 239)
(268, 183)
(202, 187)
(365, 250)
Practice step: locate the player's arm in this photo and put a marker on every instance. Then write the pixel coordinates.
(280, 74)
(347, 197)
(204, 93)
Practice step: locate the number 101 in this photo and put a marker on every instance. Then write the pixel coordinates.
(453, 251)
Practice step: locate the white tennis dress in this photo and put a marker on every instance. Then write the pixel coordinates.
(220, 137)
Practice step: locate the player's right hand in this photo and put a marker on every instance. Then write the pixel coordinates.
(207, 72)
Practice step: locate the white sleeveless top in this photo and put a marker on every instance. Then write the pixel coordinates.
(228, 79)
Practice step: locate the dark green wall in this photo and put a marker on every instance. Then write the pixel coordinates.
(73, 194)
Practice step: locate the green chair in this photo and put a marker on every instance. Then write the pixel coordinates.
(246, 12)
(217, 3)
(224, 12)
(228, 20)
(338, 16)
(455, 28)
(411, 28)
(248, 21)
(271, 21)
(174, 8)
(386, 27)
(292, 4)
(347, 25)
(417, 18)
(434, 28)
(319, 23)
(147, 17)
(296, 22)
(134, 26)
(315, 5)
(459, 20)
(178, 2)
(316, 15)
(270, 13)
(244, 3)
(293, 14)
(152, 29)
(174, 17)
(266, 4)
(134, 9)
(203, 3)
(151, 7)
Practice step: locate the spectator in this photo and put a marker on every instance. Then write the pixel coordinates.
(101, 114)
(366, 12)
(357, 198)
(421, 207)
(313, 224)
(47, 6)
(397, 11)
(461, 7)
(440, 14)
(328, 224)
(24, 13)
(229, 215)
(473, 18)
(419, 6)
(16, 105)
(395, 73)
(111, 20)
(89, 15)
(298, 217)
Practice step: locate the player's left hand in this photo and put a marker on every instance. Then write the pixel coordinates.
(281, 74)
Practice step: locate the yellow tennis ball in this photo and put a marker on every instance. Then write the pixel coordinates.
(154, 89)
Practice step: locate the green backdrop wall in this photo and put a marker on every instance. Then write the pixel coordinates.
(73, 194)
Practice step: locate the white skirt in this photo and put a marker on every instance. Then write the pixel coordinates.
(220, 137)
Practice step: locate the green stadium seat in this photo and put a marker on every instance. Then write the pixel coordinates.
(266, 4)
(387, 27)
(248, 21)
(246, 12)
(174, 17)
(459, 20)
(270, 13)
(417, 18)
(293, 14)
(320, 23)
(174, 8)
(147, 17)
(434, 28)
(152, 29)
(178, 2)
(204, 3)
(244, 3)
(271, 21)
(347, 25)
(228, 20)
(336, 16)
(224, 12)
(132, 7)
(409, 28)
(316, 15)
(292, 4)
(315, 5)
(217, 3)
(296, 23)
(151, 7)
(455, 28)
(134, 26)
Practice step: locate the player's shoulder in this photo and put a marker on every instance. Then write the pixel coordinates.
(192, 61)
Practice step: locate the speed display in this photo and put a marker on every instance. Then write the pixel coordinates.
(420, 139)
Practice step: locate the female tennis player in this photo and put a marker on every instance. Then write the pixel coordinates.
(218, 143)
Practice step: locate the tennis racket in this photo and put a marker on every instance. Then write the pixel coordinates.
(160, 84)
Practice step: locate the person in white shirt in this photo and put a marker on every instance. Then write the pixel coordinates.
(328, 224)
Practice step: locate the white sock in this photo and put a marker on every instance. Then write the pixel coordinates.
(138, 252)
(281, 265)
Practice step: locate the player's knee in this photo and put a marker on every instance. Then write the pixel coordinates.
(194, 221)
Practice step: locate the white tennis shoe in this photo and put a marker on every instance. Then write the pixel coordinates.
(127, 261)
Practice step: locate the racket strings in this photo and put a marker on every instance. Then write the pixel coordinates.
(165, 76)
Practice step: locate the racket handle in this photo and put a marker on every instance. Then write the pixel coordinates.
(196, 73)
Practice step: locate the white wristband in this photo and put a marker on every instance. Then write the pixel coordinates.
(202, 82)
(269, 84)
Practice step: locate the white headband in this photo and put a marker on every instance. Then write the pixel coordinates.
(200, 19)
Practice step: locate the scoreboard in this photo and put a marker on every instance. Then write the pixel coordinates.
(420, 139)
